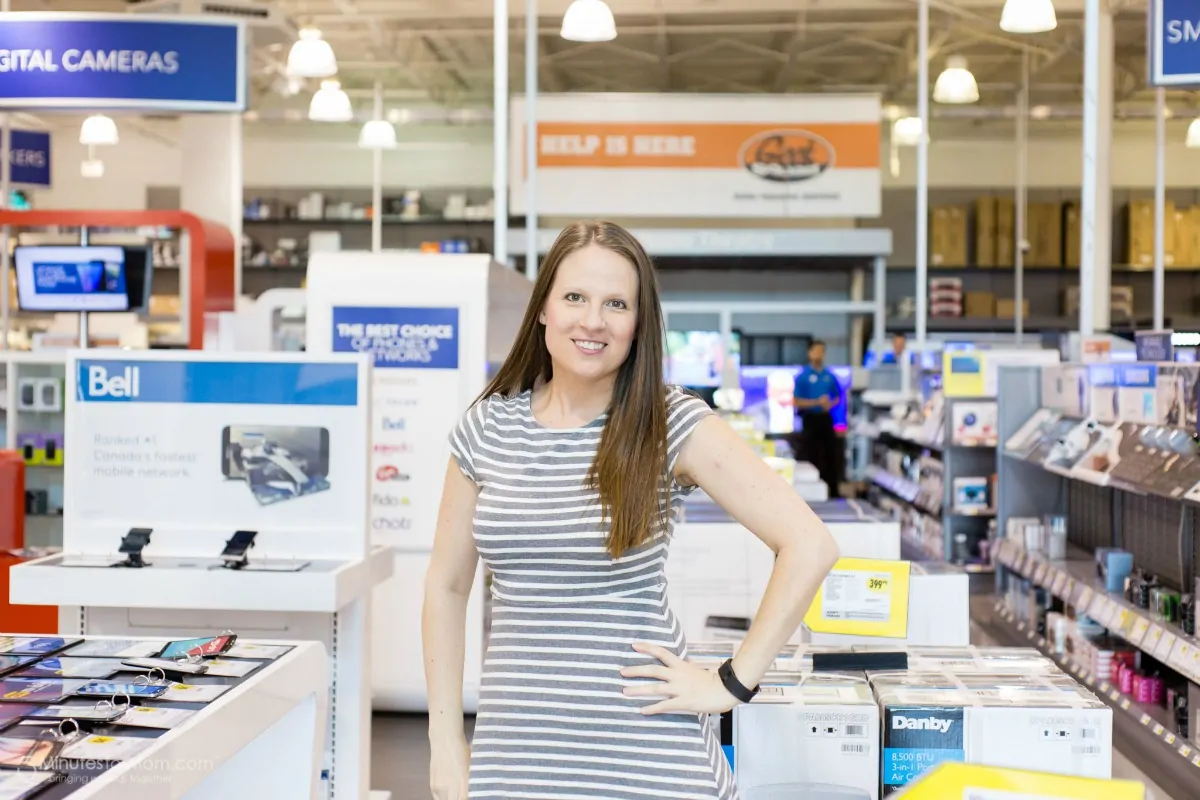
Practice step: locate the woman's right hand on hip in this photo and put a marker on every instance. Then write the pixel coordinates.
(449, 767)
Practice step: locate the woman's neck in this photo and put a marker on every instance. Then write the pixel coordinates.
(567, 402)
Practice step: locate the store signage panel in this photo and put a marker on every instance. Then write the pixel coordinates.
(416, 359)
(1154, 345)
(1174, 34)
(29, 158)
(703, 156)
(99, 61)
(215, 445)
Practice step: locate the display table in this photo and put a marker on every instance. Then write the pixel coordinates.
(263, 737)
(326, 602)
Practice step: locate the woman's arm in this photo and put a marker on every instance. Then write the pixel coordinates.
(717, 460)
(448, 585)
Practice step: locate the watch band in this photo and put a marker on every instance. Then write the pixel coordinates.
(732, 684)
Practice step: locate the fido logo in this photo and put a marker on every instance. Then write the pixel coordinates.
(124, 385)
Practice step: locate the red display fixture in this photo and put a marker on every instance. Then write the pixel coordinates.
(16, 619)
(210, 279)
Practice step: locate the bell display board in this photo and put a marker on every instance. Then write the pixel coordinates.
(197, 445)
(115, 61)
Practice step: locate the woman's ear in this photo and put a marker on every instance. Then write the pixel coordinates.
(542, 318)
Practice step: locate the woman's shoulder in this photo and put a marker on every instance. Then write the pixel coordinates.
(682, 402)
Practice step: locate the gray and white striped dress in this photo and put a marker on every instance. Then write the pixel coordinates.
(553, 722)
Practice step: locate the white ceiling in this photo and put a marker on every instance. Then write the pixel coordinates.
(434, 57)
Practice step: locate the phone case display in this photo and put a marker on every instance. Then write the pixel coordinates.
(116, 648)
(973, 423)
(38, 690)
(34, 645)
(28, 753)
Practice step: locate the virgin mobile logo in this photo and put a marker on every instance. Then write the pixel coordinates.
(786, 156)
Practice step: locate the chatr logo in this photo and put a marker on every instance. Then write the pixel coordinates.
(124, 385)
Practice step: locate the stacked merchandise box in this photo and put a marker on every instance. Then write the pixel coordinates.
(1044, 232)
(1120, 302)
(867, 735)
(994, 220)
(945, 297)
(948, 236)
(1141, 233)
(1006, 308)
(1072, 242)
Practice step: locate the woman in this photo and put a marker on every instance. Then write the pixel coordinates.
(565, 476)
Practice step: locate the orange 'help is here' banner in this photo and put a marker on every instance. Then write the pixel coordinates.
(767, 150)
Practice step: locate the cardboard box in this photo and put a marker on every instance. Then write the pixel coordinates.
(979, 304)
(1043, 230)
(948, 236)
(1039, 723)
(1120, 301)
(1072, 244)
(823, 733)
(1187, 238)
(1006, 308)
(985, 231)
(1006, 225)
(1141, 233)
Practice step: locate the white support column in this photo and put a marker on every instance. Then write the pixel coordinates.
(858, 291)
(1021, 200)
(922, 288)
(1095, 210)
(1160, 200)
(880, 303)
(500, 129)
(377, 179)
(211, 176)
(531, 138)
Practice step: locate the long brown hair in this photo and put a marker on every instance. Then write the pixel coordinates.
(630, 468)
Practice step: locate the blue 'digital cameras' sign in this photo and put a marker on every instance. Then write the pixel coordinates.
(113, 61)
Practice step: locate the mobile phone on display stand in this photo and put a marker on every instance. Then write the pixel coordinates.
(132, 545)
(236, 552)
(183, 667)
(205, 647)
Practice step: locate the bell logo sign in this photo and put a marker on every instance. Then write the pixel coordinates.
(125, 384)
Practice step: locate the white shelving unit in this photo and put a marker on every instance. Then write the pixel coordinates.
(41, 530)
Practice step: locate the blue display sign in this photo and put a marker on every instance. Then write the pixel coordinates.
(1154, 345)
(1138, 376)
(410, 338)
(271, 383)
(29, 158)
(99, 61)
(1174, 48)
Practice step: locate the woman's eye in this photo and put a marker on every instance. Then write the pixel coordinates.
(617, 303)
(574, 297)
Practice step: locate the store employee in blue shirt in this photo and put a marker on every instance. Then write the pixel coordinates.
(815, 394)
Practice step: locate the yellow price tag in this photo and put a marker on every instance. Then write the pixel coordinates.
(862, 597)
(100, 739)
(974, 782)
(16, 695)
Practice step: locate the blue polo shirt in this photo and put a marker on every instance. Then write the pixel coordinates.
(812, 384)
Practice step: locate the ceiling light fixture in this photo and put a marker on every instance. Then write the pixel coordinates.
(906, 131)
(377, 134)
(311, 56)
(956, 84)
(91, 168)
(588, 21)
(330, 104)
(1193, 133)
(98, 129)
(1028, 16)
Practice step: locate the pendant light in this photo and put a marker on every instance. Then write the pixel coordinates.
(330, 104)
(956, 84)
(1028, 16)
(377, 134)
(588, 21)
(98, 129)
(1193, 133)
(311, 56)
(906, 131)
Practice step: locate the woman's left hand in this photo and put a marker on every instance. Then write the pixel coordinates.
(685, 687)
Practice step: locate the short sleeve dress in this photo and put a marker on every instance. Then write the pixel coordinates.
(553, 723)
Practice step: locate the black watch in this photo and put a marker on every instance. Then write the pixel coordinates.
(732, 684)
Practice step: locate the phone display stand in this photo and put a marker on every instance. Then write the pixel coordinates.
(132, 545)
(237, 550)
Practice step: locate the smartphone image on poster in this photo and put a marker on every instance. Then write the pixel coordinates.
(108, 689)
(207, 646)
(31, 753)
(19, 785)
(278, 463)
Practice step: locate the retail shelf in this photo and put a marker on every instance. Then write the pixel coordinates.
(1074, 581)
(974, 443)
(1143, 732)
(388, 219)
(933, 447)
(973, 512)
(1004, 324)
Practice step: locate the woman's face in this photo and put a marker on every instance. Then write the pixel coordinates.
(591, 313)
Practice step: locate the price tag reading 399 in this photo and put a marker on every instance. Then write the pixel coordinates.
(858, 596)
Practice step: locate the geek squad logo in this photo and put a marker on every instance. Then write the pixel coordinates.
(786, 156)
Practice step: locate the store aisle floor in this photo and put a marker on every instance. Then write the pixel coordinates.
(400, 755)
